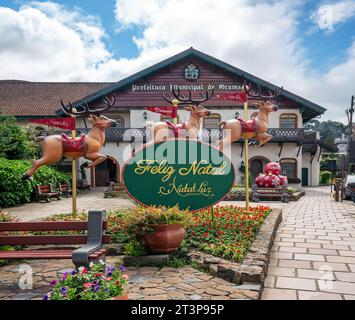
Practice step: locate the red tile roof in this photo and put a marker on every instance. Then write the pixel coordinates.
(24, 98)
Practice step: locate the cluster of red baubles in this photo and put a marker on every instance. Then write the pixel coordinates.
(271, 178)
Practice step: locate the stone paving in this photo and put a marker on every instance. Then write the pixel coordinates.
(313, 254)
(145, 283)
(85, 201)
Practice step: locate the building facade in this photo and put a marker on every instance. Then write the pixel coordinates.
(297, 150)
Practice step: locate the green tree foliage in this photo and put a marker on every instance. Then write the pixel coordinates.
(14, 140)
(14, 191)
(325, 177)
(329, 130)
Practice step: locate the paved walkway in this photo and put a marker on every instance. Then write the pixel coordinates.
(314, 251)
(145, 283)
(85, 201)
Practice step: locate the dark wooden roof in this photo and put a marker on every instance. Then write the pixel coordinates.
(24, 98)
(308, 108)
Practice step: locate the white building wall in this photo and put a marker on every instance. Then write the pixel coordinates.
(135, 119)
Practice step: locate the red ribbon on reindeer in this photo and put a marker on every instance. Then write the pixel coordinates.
(169, 111)
(237, 96)
(63, 123)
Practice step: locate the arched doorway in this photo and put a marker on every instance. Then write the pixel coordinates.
(257, 165)
(106, 172)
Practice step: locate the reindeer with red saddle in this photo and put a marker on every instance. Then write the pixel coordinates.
(88, 146)
(255, 127)
(160, 130)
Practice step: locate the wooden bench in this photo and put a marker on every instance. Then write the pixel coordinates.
(46, 192)
(65, 189)
(263, 192)
(90, 251)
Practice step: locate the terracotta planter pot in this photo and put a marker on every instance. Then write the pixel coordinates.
(165, 238)
(124, 297)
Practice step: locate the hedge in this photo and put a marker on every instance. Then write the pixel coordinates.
(13, 190)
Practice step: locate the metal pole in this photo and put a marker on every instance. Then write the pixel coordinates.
(246, 160)
(74, 210)
(175, 105)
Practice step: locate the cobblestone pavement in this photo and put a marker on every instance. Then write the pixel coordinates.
(85, 201)
(313, 255)
(146, 283)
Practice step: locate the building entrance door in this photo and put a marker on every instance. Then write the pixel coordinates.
(106, 172)
(257, 166)
(304, 177)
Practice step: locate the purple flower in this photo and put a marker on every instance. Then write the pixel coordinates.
(109, 269)
(122, 268)
(73, 272)
(53, 283)
(65, 275)
(95, 283)
(96, 288)
(63, 290)
(45, 297)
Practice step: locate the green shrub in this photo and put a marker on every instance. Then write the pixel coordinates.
(135, 248)
(14, 140)
(325, 177)
(13, 190)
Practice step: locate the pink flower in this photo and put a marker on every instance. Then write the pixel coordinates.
(125, 276)
(87, 285)
(84, 271)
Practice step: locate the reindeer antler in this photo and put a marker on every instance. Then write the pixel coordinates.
(258, 96)
(84, 109)
(186, 101)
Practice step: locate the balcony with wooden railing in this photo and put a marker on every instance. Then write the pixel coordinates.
(207, 135)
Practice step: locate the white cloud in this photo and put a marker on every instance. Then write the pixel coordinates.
(329, 15)
(49, 42)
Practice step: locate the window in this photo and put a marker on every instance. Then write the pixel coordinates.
(289, 167)
(119, 119)
(288, 120)
(212, 121)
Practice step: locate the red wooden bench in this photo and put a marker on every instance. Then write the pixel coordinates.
(46, 192)
(91, 251)
(65, 189)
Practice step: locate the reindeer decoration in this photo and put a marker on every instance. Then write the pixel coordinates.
(257, 126)
(88, 146)
(160, 130)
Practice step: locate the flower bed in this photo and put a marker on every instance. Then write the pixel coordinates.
(100, 282)
(229, 232)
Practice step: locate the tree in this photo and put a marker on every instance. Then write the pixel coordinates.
(328, 130)
(14, 141)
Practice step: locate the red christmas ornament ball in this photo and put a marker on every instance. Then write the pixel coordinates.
(273, 167)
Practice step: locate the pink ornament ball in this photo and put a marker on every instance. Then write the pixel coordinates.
(273, 167)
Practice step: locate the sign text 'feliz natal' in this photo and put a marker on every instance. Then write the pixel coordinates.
(189, 173)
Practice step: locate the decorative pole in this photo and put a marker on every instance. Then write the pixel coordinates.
(246, 152)
(175, 103)
(73, 134)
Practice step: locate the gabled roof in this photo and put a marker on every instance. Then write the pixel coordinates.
(26, 99)
(309, 109)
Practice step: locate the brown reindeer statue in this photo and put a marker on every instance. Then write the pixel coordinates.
(88, 146)
(257, 126)
(160, 130)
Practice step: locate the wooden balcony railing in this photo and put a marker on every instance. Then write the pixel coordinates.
(208, 135)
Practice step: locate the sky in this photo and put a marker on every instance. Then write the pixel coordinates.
(306, 46)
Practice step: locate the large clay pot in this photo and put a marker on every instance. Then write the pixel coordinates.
(123, 297)
(165, 238)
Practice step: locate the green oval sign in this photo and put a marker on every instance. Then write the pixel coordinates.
(189, 173)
